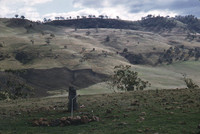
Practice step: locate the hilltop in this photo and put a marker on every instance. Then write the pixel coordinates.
(83, 52)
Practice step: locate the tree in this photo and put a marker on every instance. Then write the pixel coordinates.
(125, 50)
(48, 41)
(45, 20)
(101, 16)
(57, 18)
(62, 18)
(89, 16)
(22, 17)
(107, 39)
(189, 82)
(16, 15)
(13, 87)
(127, 80)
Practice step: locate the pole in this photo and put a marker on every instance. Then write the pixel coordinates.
(72, 106)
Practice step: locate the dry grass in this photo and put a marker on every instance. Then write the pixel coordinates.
(160, 77)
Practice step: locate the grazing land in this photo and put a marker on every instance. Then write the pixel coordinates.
(47, 58)
(148, 112)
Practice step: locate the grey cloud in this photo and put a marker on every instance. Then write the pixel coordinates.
(182, 7)
(89, 3)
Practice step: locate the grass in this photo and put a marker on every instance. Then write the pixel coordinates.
(165, 76)
(147, 112)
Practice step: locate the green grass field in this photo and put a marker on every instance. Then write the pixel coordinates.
(147, 112)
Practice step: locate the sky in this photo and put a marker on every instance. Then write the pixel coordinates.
(125, 9)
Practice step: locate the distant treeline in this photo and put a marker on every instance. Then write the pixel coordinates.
(157, 23)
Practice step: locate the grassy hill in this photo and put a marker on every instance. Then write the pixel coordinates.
(52, 56)
(160, 56)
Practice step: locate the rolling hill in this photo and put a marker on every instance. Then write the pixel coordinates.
(84, 52)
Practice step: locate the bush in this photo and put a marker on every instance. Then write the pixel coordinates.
(190, 83)
(1, 45)
(3, 95)
(127, 80)
(125, 50)
(107, 39)
(13, 87)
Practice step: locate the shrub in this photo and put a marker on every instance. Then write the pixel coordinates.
(13, 87)
(190, 83)
(107, 39)
(125, 50)
(3, 95)
(127, 80)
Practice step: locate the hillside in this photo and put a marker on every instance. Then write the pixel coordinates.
(84, 52)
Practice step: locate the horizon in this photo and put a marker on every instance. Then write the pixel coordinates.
(128, 10)
(61, 18)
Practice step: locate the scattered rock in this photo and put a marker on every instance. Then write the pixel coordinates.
(142, 118)
(147, 129)
(65, 121)
(95, 118)
(168, 108)
(135, 103)
(85, 119)
(143, 114)
(125, 115)
(122, 123)
(40, 122)
(55, 123)
(139, 131)
(182, 123)
(108, 111)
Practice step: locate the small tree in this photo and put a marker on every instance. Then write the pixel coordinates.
(32, 41)
(16, 15)
(22, 17)
(190, 83)
(127, 80)
(45, 20)
(125, 50)
(107, 39)
(48, 41)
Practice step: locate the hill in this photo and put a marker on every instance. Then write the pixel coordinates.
(53, 53)
(148, 23)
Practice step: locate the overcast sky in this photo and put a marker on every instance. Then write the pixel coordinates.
(125, 9)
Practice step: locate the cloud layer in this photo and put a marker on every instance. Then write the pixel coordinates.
(137, 7)
(9, 8)
(126, 9)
